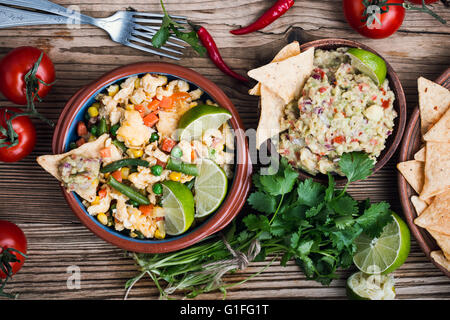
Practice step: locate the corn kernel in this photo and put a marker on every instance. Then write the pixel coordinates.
(159, 235)
(93, 110)
(133, 234)
(92, 138)
(125, 172)
(129, 107)
(96, 201)
(175, 176)
(137, 153)
(102, 218)
(107, 175)
(112, 90)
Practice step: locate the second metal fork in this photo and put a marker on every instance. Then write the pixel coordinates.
(133, 29)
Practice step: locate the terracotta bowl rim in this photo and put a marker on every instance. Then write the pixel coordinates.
(240, 185)
(395, 139)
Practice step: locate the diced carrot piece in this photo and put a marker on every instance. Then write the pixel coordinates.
(80, 142)
(105, 152)
(339, 139)
(166, 103)
(146, 210)
(151, 119)
(153, 106)
(141, 109)
(168, 144)
(193, 155)
(160, 163)
(117, 175)
(180, 96)
(81, 129)
(102, 193)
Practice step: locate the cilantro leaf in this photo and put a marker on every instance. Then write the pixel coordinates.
(310, 193)
(257, 223)
(280, 183)
(191, 38)
(375, 218)
(262, 202)
(356, 166)
(344, 205)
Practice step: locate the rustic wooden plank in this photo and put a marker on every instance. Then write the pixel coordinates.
(57, 240)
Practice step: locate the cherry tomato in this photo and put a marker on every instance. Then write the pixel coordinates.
(13, 68)
(390, 21)
(11, 236)
(27, 136)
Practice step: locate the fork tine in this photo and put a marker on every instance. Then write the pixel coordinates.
(156, 15)
(147, 43)
(156, 21)
(153, 30)
(150, 36)
(135, 46)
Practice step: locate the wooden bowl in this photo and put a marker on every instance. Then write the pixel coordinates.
(65, 132)
(410, 145)
(393, 140)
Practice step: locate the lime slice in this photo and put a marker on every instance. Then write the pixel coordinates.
(199, 119)
(361, 286)
(369, 64)
(386, 253)
(210, 188)
(178, 204)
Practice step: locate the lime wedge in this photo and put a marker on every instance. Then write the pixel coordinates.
(386, 253)
(199, 119)
(210, 188)
(178, 204)
(361, 286)
(369, 64)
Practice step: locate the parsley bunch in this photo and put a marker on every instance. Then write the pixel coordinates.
(303, 220)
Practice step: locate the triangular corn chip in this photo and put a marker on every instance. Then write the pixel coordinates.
(434, 101)
(440, 132)
(439, 257)
(413, 172)
(286, 78)
(271, 112)
(419, 205)
(420, 155)
(437, 216)
(437, 169)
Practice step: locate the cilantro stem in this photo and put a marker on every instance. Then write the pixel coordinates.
(278, 209)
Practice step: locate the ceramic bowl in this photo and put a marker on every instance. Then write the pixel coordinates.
(65, 132)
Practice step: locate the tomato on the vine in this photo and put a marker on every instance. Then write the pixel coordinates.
(15, 65)
(26, 136)
(12, 237)
(360, 21)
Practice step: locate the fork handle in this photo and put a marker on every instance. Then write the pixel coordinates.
(48, 6)
(11, 17)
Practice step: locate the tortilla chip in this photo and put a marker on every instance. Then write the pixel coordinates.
(437, 169)
(438, 256)
(286, 78)
(287, 52)
(434, 101)
(413, 172)
(419, 205)
(91, 150)
(440, 132)
(420, 155)
(443, 242)
(271, 112)
(437, 216)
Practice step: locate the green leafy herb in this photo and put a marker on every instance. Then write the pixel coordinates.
(301, 220)
(168, 25)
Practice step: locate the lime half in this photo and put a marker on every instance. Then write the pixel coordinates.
(361, 286)
(386, 253)
(369, 64)
(178, 204)
(199, 119)
(210, 188)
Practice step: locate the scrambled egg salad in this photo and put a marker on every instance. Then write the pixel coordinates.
(140, 117)
(340, 110)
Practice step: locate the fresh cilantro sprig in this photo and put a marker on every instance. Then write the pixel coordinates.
(169, 26)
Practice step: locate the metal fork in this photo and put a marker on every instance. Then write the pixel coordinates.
(125, 27)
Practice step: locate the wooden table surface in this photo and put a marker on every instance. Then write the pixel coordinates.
(57, 241)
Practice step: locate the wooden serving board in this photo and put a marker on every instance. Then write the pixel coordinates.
(411, 143)
(57, 241)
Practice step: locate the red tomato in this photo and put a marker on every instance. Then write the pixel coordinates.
(390, 21)
(27, 136)
(13, 68)
(11, 236)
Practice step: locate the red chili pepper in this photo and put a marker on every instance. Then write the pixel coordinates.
(214, 54)
(276, 11)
